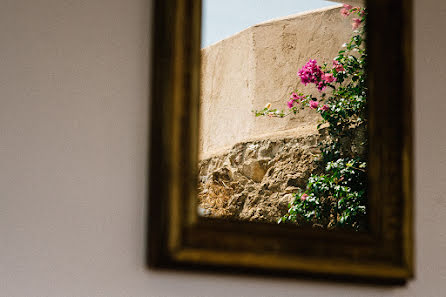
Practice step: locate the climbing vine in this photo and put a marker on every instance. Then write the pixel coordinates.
(336, 197)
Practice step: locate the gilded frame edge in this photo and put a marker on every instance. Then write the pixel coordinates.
(175, 73)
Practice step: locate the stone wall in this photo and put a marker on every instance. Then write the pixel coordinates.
(255, 180)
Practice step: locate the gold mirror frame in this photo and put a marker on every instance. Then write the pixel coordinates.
(177, 237)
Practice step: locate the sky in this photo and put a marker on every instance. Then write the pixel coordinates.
(223, 18)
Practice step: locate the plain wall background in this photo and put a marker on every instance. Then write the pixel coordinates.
(73, 151)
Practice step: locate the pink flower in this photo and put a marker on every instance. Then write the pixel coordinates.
(321, 86)
(356, 23)
(304, 197)
(345, 12)
(347, 6)
(324, 107)
(338, 66)
(328, 77)
(310, 73)
(313, 104)
(294, 99)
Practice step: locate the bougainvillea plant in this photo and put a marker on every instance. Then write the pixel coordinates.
(336, 197)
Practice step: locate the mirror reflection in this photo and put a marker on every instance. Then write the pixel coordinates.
(283, 132)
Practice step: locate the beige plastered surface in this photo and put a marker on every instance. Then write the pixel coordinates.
(258, 66)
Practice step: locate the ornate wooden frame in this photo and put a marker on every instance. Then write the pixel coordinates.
(177, 237)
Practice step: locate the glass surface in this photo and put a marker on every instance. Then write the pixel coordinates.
(283, 132)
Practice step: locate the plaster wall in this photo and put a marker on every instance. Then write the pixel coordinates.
(259, 65)
(351, 2)
(73, 159)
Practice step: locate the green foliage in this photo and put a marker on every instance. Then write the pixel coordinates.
(337, 197)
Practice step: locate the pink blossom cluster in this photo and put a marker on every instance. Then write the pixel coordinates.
(294, 99)
(338, 66)
(348, 9)
(345, 11)
(328, 77)
(312, 73)
(356, 23)
(313, 104)
(324, 107)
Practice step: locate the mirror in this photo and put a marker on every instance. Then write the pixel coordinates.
(260, 154)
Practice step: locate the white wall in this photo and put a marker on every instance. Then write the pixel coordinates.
(73, 147)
